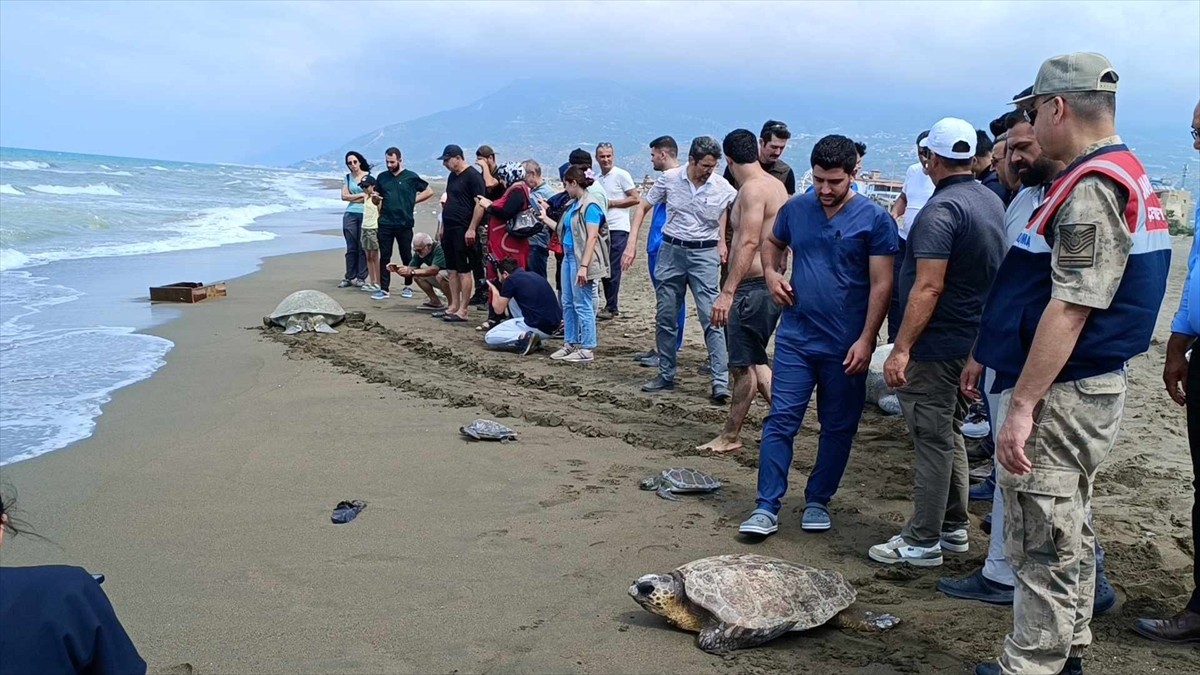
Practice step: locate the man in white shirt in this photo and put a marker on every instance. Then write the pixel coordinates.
(916, 191)
(622, 194)
(691, 254)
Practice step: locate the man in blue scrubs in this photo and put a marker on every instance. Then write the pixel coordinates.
(842, 246)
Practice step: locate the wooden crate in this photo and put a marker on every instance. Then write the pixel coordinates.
(186, 291)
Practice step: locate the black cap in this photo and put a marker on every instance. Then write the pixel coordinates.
(451, 151)
(580, 157)
(367, 181)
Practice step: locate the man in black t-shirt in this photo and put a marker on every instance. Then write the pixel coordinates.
(401, 190)
(534, 306)
(463, 185)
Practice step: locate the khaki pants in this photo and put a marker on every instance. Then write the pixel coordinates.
(934, 412)
(1048, 539)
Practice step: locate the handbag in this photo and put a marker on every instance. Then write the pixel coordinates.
(528, 222)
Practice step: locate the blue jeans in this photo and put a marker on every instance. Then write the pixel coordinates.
(579, 306)
(652, 259)
(356, 257)
(537, 260)
(679, 269)
(840, 401)
(612, 285)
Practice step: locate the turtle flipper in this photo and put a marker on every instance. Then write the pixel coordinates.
(870, 623)
(320, 326)
(293, 326)
(666, 494)
(721, 638)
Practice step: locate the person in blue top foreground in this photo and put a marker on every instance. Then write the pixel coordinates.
(842, 245)
(1182, 377)
(1076, 297)
(55, 619)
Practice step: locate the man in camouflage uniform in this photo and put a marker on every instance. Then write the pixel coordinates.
(1076, 297)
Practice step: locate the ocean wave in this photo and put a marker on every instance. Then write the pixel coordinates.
(208, 229)
(24, 165)
(11, 258)
(38, 417)
(159, 168)
(7, 189)
(102, 190)
(94, 173)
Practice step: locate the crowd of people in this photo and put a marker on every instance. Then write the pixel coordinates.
(1021, 269)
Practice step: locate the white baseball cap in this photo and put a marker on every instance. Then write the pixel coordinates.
(951, 138)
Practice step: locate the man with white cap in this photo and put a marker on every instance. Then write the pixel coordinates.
(954, 249)
(1076, 297)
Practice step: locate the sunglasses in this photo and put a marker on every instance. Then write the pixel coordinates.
(1031, 112)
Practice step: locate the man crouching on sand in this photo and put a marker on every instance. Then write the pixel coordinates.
(744, 307)
(428, 268)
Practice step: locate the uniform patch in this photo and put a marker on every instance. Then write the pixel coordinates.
(1076, 245)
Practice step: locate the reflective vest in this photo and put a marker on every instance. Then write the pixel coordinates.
(1021, 291)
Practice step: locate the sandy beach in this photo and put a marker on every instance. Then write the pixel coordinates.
(204, 497)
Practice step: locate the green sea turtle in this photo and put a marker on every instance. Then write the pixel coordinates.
(306, 311)
(679, 480)
(487, 430)
(743, 600)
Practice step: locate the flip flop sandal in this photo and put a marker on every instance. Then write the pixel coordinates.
(430, 305)
(439, 314)
(345, 512)
(453, 318)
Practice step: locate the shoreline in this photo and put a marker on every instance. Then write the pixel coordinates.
(204, 496)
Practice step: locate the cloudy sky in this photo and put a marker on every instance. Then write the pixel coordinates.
(232, 81)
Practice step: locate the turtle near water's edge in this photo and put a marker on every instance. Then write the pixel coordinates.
(743, 600)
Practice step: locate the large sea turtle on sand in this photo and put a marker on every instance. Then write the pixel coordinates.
(306, 311)
(743, 600)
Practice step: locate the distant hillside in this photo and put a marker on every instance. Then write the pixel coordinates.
(545, 120)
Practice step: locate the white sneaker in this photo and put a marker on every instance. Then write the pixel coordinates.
(956, 541)
(579, 356)
(368, 287)
(566, 350)
(406, 292)
(896, 551)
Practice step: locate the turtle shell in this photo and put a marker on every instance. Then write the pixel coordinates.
(757, 592)
(487, 430)
(682, 479)
(308, 302)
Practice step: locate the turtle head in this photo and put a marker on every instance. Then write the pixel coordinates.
(650, 483)
(657, 593)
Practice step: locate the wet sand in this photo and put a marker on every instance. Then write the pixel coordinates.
(204, 496)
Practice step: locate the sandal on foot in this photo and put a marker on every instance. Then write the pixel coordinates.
(345, 512)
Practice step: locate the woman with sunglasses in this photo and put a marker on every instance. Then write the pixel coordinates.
(356, 259)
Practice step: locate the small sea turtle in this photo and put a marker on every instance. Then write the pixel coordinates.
(743, 600)
(487, 430)
(306, 311)
(679, 480)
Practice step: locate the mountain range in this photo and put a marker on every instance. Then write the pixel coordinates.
(547, 118)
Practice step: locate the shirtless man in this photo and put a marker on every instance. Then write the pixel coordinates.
(744, 307)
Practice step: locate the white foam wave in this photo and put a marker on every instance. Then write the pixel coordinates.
(209, 229)
(24, 165)
(47, 420)
(7, 189)
(106, 167)
(94, 173)
(159, 168)
(102, 190)
(11, 259)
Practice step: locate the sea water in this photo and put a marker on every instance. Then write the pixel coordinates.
(82, 237)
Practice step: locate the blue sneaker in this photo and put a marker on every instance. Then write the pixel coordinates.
(406, 292)
(982, 492)
(761, 522)
(816, 518)
(380, 295)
